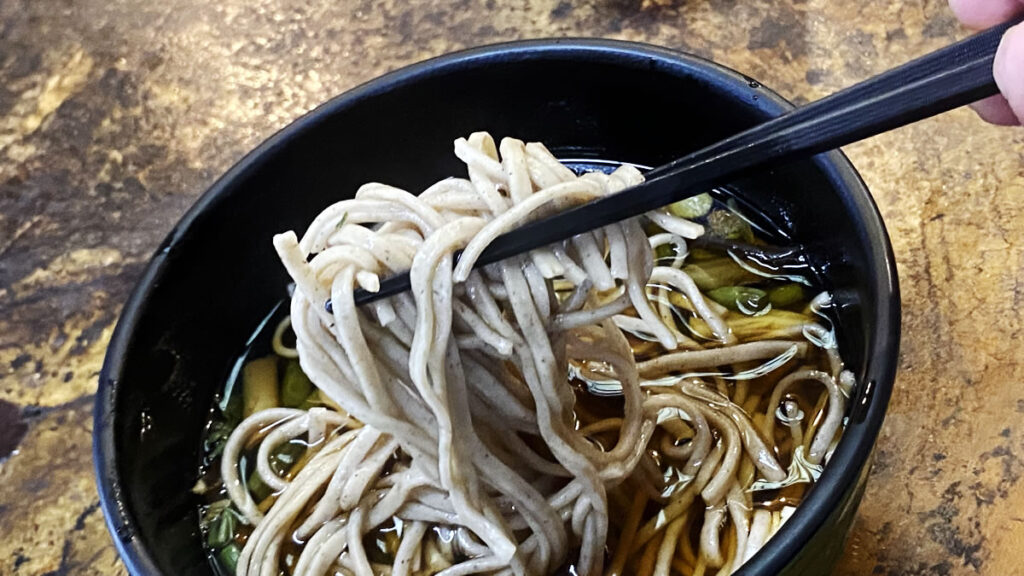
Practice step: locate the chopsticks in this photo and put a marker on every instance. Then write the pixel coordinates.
(938, 82)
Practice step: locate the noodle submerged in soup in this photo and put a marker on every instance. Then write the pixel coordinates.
(655, 397)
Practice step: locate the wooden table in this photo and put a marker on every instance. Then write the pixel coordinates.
(116, 114)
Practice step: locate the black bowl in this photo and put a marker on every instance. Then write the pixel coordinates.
(216, 276)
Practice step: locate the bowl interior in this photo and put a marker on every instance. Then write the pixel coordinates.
(217, 276)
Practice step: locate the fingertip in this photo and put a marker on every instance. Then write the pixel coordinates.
(996, 110)
(1009, 69)
(964, 12)
(979, 14)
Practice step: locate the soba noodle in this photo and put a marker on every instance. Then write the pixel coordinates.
(451, 429)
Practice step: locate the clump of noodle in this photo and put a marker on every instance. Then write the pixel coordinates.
(434, 380)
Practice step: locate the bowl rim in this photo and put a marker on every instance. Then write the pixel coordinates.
(852, 453)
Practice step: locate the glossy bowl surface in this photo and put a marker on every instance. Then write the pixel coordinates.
(216, 276)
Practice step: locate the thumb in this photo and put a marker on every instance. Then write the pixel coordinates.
(1009, 69)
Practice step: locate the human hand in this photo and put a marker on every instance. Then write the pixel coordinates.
(1007, 109)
